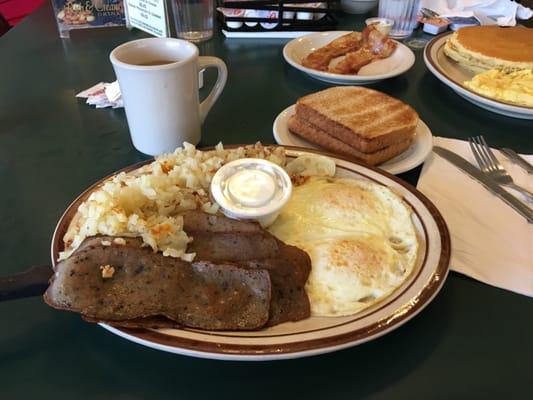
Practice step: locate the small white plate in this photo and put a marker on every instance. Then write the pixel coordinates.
(399, 62)
(409, 159)
(453, 75)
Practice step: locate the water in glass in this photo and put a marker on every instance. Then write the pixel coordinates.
(403, 13)
(194, 19)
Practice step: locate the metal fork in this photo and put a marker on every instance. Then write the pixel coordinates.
(490, 165)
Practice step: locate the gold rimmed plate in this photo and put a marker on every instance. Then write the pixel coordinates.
(313, 335)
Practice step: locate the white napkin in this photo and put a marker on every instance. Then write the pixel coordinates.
(490, 241)
(103, 95)
(488, 12)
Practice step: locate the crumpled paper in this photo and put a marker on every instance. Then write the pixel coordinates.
(103, 95)
(488, 12)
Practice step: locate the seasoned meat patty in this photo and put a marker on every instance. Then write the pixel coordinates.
(228, 240)
(242, 278)
(146, 284)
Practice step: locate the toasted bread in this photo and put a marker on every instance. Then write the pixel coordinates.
(364, 119)
(317, 136)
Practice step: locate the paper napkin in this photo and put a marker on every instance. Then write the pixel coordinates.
(103, 95)
(488, 12)
(490, 241)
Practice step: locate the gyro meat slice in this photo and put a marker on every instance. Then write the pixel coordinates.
(289, 273)
(198, 221)
(126, 281)
(288, 266)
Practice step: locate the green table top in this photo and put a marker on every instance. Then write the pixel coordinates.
(473, 340)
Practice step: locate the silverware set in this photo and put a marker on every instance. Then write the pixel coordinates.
(515, 158)
(490, 165)
(492, 175)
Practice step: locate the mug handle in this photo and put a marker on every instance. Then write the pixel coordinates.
(206, 62)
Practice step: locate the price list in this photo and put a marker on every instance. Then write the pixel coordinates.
(148, 15)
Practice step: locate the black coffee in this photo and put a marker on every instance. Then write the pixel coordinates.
(156, 62)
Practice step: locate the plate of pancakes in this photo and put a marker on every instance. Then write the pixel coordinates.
(358, 123)
(379, 252)
(340, 59)
(490, 66)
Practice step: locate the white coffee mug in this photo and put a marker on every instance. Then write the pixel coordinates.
(158, 78)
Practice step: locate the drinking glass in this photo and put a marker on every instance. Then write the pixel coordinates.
(403, 13)
(193, 19)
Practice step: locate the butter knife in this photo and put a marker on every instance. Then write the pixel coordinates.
(486, 181)
(32, 282)
(516, 159)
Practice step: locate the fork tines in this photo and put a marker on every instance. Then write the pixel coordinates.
(483, 154)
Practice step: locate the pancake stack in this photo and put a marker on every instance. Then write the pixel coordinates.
(481, 48)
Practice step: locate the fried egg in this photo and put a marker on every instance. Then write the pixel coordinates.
(359, 235)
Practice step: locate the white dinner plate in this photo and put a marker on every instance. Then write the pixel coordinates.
(453, 75)
(415, 154)
(399, 62)
(313, 335)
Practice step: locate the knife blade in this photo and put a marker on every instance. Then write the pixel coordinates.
(486, 181)
(516, 159)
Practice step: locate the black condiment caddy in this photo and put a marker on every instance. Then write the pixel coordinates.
(324, 23)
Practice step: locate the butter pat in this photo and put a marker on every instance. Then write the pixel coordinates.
(251, 188)
(384, 25)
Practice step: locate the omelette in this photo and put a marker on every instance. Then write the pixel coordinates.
(360, 237)
(506, 85)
